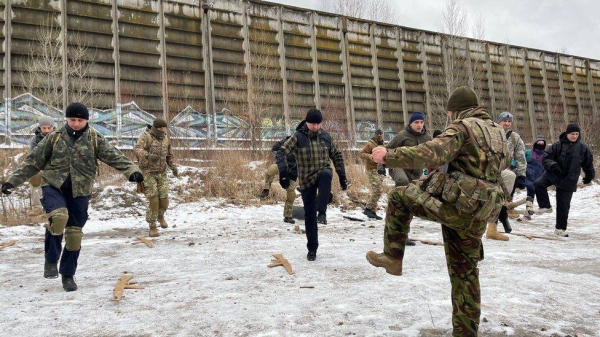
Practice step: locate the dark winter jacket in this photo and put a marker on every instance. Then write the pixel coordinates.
(314, 151)
(535, 167)
(409, 137)
(36, 138)
(571, 158)
(292, 167)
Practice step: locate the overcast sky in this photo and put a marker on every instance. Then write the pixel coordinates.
(571, 27)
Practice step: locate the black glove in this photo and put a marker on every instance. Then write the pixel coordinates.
(556, 170)
(284, 180)
(7, 188)
(136, 177)
(152, 157)
(586, 181)
(381, 169)
(343, 182)
(520, 183)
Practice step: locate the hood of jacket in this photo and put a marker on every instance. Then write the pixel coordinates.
(539, 147)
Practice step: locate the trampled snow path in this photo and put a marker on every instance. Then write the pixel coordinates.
(208, 276)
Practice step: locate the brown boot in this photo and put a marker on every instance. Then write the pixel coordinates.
(493, 234)
(154, 232)
(162, 222)
(391, 265)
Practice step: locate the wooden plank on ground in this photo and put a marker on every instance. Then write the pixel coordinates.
(280, 261)
(142, 239)
(7, 244)
(121, 284)
(533, 236)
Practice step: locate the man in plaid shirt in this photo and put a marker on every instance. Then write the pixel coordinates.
(314, 149)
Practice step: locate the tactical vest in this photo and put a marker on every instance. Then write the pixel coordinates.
(482, 196)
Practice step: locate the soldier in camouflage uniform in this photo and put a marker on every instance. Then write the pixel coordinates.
(153, 150)
(374, 173)
(314, 149)
(69, 157)
(462, 199)
(273, 171)
(514, 178)
(45, 126)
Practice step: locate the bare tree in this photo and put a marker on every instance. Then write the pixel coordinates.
(44, 68)
(375, 10)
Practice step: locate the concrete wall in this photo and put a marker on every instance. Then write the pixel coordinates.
(267, 61)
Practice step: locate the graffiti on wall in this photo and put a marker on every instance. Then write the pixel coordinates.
(125, 123)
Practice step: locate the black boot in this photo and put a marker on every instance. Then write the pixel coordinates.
(311, 256)
(69, 283)
(503, 217)
(50, 269)
(264, 194)
(322, 218)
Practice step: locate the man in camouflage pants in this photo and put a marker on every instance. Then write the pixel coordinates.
(475, 149)
(153, 150)
(69, 157)
(374, 173)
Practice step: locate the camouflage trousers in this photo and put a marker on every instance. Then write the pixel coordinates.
(156, 189)
(375, 179)
(288, 207)
(462, 245)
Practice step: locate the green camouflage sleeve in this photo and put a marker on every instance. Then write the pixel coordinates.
(436, 152)
(114, 158)
(140, 147)
(519, 157)
(35, 162)
(170, 159)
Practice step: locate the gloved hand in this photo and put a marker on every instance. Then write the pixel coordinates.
(520, 183)
(136, 177)
(343, 182)
(556, 169)
(284, 180)
(175, 171)
(586, 181)
(381, 169)
(153, 158)
(7, 188)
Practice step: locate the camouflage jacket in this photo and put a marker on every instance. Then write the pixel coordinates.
(455, 147)
(314, 151)
(409, 137)
(59, 157)
(36, 138)
(150, 143)
(516, 147)
(366, 153)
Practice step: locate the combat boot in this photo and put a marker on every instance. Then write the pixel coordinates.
(68, 283)
(264, 194)
(289, 219)
(492, 233)
(322, 218)
(50, 269)
(153, 232)
(391, 265)
(529, 206)
(162, 222)
(372, 215)
(503, 217)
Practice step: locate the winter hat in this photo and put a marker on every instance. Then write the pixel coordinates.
(46, 121)
(436, 133)
(461, 99)
(314, 116)
(573, 128)
(505, 116)
(416, 116)
(77, 110)
(159, 123)
(378, 132)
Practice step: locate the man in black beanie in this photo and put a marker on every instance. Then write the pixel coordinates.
(314, 149)
(563, 163)
(69, 157)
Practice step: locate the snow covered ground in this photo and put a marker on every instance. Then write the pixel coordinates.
(208, 276)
